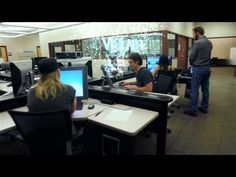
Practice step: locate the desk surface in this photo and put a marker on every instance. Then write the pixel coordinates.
(130, 121)
(175, 97)
(131, 125)
(4, 87)
(135, 122)
(184, 77)
(4, 74)
(125, 119)
(6, 122)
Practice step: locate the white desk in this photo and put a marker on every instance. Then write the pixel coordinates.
(4, 87)
(134, 123)
(129, 122)
(175, 97)
(184, 77)
(6, 122)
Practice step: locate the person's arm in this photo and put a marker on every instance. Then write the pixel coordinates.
(147, 88)
(193, 53)
(74, 105)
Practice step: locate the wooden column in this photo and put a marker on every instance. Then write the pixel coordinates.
(164, 43)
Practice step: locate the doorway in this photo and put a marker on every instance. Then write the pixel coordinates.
(3, 53)
(38, 51)
(182, 54)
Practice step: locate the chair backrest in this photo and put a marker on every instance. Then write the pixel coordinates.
(163, 84)
(173, 75)
(44, 132)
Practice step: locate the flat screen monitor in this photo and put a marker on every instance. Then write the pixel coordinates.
(109, 69)
(36, 60)
(152, 62)
(170, 60)
(77, 63)
(77, 78)
(66, 55)
(89, 68)
(21, 75)
(5, 66)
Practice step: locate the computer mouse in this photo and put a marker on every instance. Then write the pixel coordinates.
(90, 106)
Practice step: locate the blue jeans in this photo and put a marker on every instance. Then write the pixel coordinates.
(200, 77)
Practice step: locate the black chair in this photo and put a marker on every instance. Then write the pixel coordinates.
(163, 84)
(45, 133)
(173, 88)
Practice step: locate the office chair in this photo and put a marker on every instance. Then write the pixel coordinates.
(173, 88)
(163, 84)
(45, 133)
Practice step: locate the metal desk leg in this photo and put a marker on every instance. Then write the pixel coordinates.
(161, 130)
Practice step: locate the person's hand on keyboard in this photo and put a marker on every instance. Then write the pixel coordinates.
(130, 87)
(123, 83)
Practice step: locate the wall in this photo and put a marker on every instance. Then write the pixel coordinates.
(17, 45)
(183, 28)
(219, 29)
(89, 30)
(217, 33)
(221, 47)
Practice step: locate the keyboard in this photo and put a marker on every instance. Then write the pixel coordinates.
(138, 93)
(79, 105)
(118, 86)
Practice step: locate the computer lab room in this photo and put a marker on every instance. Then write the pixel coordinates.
(112, 88)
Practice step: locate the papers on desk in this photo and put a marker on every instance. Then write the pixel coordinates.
(118, 115)
(85, 112)
(79, 114)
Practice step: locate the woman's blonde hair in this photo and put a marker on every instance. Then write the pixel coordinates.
(49, 85)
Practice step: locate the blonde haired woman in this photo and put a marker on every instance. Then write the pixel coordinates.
(49, 93)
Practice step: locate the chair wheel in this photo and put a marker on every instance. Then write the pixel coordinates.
(171, 111)
(178, 107)
(168, 130)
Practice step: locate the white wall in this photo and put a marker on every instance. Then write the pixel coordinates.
(88, 30)
(222, 46)
(20, 44)
(218, 29)
(221, 30)
(183, 28)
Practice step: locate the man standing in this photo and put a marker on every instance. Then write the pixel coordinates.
(200, 61)
(144, 79)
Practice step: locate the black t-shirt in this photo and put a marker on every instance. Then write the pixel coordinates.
(62, 101)
(144, 77)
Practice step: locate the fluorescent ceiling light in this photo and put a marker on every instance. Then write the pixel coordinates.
(42, 25)
(17, 29)
(4, 35)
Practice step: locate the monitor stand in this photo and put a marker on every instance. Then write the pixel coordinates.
(79, 105)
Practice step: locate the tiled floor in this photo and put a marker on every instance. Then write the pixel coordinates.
(206, 134)
(213, 133)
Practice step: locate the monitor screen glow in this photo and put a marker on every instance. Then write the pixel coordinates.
(152, 62)
(75, 79)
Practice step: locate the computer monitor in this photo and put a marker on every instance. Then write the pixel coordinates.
(89, 68)
(109, 69)
(67, 55)
(36, 60)
(21, 75)
(61, 55)
(152, 62)
(77, 78)
(87, 61)
(5, 67)
(1, 61)
(170, 60)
